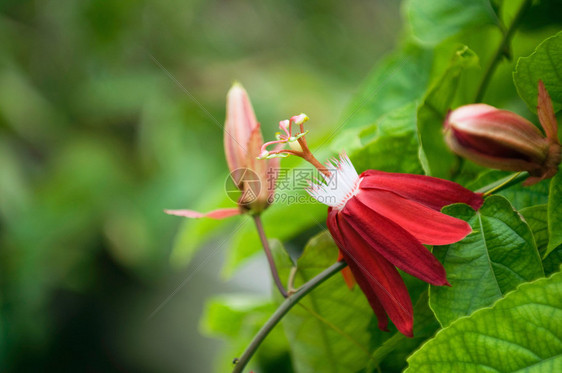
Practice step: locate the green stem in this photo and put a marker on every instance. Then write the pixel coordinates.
(504, 183)
(508, 34)
(282, 310)
(272, 267)
(291, 284)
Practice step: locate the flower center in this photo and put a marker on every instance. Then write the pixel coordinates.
(340, 187)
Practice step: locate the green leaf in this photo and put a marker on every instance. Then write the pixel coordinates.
(520, 333)
(536, 217)
(545, 63)
(398, 80)
(554, 214)
(226, 313)
(389, 145)
(332, 328)
(437, 20)
(499, 255)
(436, 157)
(553, 261)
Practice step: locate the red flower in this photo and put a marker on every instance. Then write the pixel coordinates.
(380, 220)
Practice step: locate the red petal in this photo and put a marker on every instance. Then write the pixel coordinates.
(426, 225)
(430, 191)
(334, 231)
(215, 214)
(370, 294)
(379, 280)
(394, 243)
(332, 224)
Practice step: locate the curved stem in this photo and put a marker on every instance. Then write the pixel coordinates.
(282, 310)
(508, 34)
(504, 183)
(272, 267)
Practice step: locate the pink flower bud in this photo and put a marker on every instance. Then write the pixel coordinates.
(504, 140)
(242, 145)
(238, 127)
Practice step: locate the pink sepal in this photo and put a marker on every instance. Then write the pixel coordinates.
(215, 214)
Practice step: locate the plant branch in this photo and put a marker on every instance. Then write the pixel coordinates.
(282, 310)
(272, 267)
(507, 35)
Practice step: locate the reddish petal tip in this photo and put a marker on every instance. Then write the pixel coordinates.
(407, 330)
(477, 201)
(442, 282)
(384, 327)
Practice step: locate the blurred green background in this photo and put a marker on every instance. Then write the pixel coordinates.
(96, 139)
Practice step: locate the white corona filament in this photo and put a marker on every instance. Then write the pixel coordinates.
(337, 189)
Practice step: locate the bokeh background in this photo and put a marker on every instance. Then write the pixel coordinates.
(108, 114)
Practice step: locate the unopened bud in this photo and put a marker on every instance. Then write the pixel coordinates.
(242, 141)
(502, 140)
